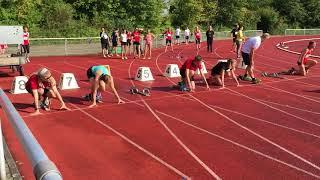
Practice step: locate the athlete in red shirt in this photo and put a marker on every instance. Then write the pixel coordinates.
(304, 62)
(26, 43)
(188, 69)
(168, 34)
(43, 84)
(136, 43)
(197, 37)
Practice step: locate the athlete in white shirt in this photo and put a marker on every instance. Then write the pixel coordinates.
(248, 51)
(124, 43)
(187, 35)
(178, 35)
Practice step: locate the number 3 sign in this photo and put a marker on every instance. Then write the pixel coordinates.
(68, 81)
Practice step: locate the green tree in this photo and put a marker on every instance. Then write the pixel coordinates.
(186, 13)
(293, 11)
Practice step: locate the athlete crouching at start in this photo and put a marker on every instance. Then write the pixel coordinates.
(187, 72)
(99, 78)
(42, 84)
(219, 70)
(304, 62)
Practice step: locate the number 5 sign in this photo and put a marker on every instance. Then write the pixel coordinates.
(68, 81)
(144, 74)
(19, 85)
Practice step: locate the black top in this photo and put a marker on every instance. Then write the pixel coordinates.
(217, 69)
(233, 32)
(210, 34)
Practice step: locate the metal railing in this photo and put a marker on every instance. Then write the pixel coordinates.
(301, 32)
(43, 168)
(2, 160)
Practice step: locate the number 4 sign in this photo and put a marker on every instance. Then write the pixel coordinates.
(68, 81)
(19, 85)
(172, 70)
(144, 74)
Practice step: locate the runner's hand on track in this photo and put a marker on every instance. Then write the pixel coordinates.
(64, 107)
(120, 101)
(35, 113)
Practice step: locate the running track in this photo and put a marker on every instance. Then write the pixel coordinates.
(266, 131)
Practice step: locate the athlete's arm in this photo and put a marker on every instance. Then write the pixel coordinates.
(94, 88)
(188, 78)
(114, 90)
(56, 92)
(252, 52)
(36, 101)
(204, 78)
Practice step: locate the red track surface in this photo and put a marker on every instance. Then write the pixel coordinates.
(266, 131)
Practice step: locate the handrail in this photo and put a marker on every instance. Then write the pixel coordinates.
(43, 168)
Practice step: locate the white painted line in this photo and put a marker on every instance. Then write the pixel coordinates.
(188, 150)
(240, 145)
(268, 122)
(258, 135)
(134, 144)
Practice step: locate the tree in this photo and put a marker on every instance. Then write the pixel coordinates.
(186, 13)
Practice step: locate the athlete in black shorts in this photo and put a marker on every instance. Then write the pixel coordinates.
(218, 71)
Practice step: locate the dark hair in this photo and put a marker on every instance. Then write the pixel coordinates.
(104, 77)
(198, 58)
(311, 43)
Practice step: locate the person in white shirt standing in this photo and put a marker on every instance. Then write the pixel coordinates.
(124, 43)
(187, 35)
(104, 39)
(248, 52)
(178, 35)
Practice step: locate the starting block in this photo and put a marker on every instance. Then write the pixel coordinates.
(204, 69)
(144, 74)
(241, 64)
(108, 68)
(68, 81)
(172, 71)
(19, 85)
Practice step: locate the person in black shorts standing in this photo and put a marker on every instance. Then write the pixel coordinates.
(115, 39)
(219, 70)
(234, 36)
(210, 35)
(104, 39)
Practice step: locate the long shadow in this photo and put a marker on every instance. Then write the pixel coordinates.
(314, 91)
(20, 106)
(74, 100)
(165, 88)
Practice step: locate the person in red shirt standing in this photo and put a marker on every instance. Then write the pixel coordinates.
(304, 61)
(168, 34)
(26, 43)
(3, 48)
(42, 84)
(197, 36)
(188, 69)
(136, 43)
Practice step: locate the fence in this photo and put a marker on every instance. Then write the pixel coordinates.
(302, 32)
(91, 45)
(43, 168)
